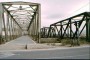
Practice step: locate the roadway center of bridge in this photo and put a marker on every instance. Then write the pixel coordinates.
(23, 43)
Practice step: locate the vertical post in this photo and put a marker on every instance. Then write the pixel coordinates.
(44, 33)
(32, 29)
(36, 26)
(76, 30)
(61, 31)
(4, 27)
(71, 33)
(50, 32)
(89, 21)
(39, 22)
(15, 30)
(87, 29)
(70, 29)
(11, 30)
(77, 33)
(7, 26)
(54, 32)
(1, 15)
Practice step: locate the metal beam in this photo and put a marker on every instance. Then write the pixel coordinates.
(11, 16)
(20, 3)
(71, 17)
(31, 20)
(1, 17)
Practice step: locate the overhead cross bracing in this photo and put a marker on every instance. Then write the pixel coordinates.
(17, 18)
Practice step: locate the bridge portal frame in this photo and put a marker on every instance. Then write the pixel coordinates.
(10, 26)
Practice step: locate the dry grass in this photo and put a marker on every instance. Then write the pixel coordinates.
(66, 41)
(48, 40)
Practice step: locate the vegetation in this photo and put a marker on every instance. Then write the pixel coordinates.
(49, 40)
(1, 39)
(66, 41)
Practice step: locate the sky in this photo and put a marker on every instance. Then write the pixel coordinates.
(55, 10)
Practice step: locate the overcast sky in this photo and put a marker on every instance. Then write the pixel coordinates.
(56, 10)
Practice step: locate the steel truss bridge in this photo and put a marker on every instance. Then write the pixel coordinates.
(69, 28)
(19, 18)
(24, 18)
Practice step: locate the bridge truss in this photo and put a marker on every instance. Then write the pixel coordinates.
(69, 28)
(19, 18)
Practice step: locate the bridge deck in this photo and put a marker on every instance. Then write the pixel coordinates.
(22, 43)
(19, 43)
(22, 40)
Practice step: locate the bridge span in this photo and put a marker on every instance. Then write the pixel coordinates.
(18, 19)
